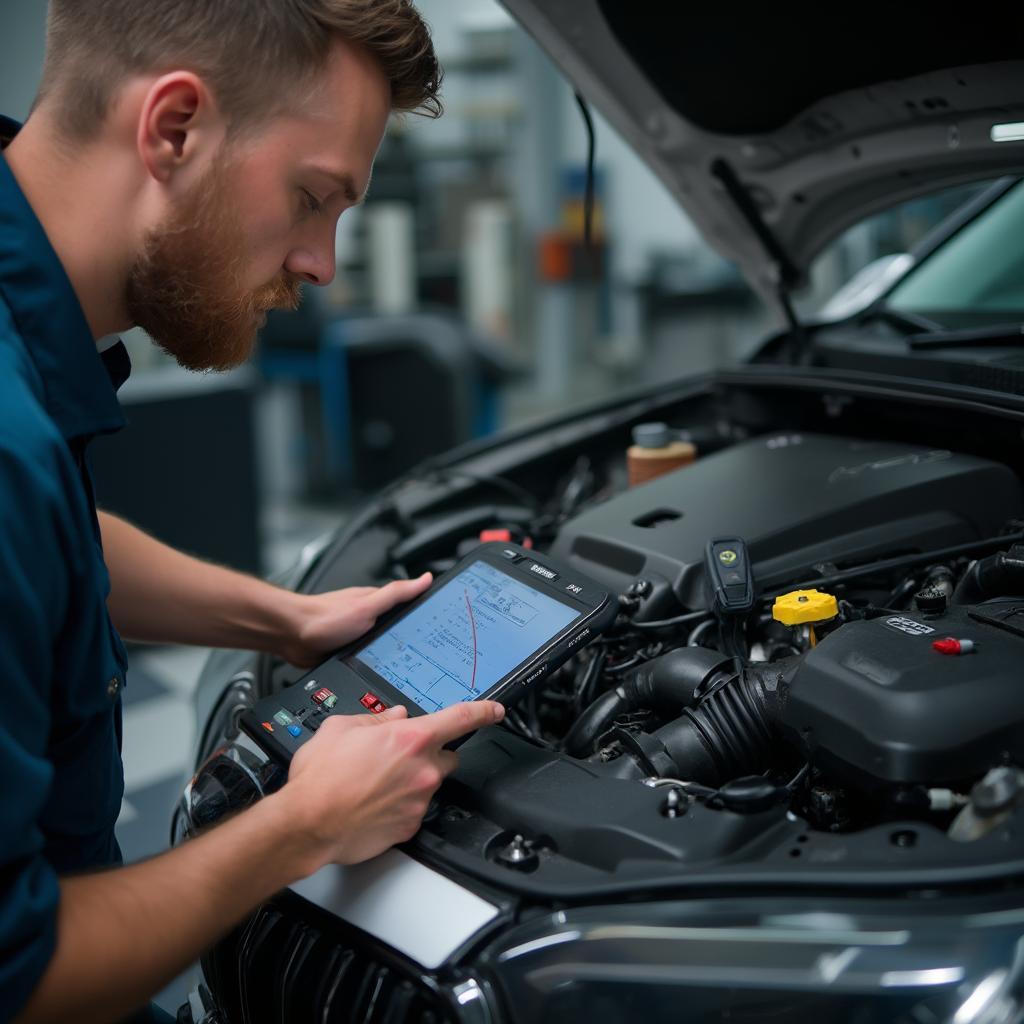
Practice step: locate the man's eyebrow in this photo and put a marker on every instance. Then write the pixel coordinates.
(345, 183)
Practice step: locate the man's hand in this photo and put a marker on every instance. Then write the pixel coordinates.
(325, 622)
(359, 786)
(159, 595)
(363, 782)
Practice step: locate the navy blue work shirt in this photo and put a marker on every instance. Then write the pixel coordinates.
(63, 664)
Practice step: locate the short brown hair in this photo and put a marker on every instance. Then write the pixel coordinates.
(251, 52)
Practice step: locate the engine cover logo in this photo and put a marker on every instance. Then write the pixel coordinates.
(897, 462)
(908, 626)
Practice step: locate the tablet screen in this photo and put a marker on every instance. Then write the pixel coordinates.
(466, 637)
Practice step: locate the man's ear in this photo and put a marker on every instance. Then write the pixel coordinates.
(178, 124)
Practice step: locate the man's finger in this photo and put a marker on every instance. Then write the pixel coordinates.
(455, 721)
(398, 592)
(392, 714)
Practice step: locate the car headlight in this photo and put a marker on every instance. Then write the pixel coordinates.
(766, 960)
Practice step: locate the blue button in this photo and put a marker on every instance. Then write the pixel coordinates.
(295, 730)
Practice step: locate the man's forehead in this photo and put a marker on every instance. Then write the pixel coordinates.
(338, 127)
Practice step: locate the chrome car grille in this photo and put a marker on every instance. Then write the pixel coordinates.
(279, 968)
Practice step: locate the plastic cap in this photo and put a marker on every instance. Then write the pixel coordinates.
(503, 535)
(801, 606)
(652, 435)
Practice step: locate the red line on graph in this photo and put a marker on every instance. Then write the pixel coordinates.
(472, 622)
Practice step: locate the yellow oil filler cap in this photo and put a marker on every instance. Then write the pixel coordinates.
(799, 607)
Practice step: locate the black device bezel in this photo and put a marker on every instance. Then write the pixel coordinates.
(590, 601)
(596, 608)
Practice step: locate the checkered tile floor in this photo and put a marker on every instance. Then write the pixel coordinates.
(158, 729)
(158, 732)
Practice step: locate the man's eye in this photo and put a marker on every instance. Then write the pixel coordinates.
(312, 203)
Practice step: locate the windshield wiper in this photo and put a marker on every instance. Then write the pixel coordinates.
(999, 334)
(912, 324)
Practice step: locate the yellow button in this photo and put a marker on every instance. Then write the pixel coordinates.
(802, 606)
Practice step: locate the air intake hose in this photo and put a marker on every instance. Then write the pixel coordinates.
(999, 575)
(729, 733)
(672, 681)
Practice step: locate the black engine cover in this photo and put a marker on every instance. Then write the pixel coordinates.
(876, 697)
(797, 500)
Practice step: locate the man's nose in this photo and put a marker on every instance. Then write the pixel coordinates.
(314, 264)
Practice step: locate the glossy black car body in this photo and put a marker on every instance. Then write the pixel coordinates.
(805, 875)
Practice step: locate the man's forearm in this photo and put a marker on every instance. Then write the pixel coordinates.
(161, 595)
(124, 934)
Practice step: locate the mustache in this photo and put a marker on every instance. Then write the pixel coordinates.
(284, 293)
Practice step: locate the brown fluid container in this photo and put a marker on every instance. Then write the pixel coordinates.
(656, 451)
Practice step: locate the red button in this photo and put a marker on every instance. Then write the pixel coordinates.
(321, 695)
(487, 536)
(369, 699)
(379, 707)
(268, 726)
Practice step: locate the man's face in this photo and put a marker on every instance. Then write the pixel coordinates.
(261, 220)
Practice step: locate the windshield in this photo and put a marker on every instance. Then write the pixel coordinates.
(976, 278)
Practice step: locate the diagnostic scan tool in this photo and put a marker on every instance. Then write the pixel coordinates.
(489, 628)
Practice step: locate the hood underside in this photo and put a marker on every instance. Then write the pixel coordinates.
(775, 129)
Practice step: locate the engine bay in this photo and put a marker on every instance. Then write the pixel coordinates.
(856, 721)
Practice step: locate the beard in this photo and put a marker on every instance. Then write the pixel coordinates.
(185, 287)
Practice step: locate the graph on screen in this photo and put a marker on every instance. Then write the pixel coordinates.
(465, 637)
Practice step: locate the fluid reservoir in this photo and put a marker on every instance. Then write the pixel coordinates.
(655, 450)
(802, 610)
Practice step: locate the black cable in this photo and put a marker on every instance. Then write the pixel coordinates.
(590, 676)
(625, 666)
(588, 188)
(698, 632)
(799, 777)
(678, 620)
(899, 594)
(900, 562)
(502, 483)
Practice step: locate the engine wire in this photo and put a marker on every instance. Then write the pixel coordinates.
(678, 620)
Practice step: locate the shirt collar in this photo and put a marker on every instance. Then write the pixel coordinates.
(80, 385)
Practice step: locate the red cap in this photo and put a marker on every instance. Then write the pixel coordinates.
(504, 536)
(947, 646)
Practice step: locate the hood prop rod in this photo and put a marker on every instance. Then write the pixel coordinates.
(787, 276)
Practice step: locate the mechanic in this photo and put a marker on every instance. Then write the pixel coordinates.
(183, 169)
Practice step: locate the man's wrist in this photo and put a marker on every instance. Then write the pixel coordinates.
(298, 851)
(285, 618)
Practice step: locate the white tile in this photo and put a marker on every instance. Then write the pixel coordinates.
(157, 741)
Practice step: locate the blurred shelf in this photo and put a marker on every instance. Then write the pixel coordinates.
(470, 151)
(483, 63)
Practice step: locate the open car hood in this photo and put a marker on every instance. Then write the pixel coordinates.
(775, 129)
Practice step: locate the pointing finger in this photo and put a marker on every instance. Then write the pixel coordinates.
(452, 722)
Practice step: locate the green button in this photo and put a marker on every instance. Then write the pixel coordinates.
(727, 557)
(283, 718)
